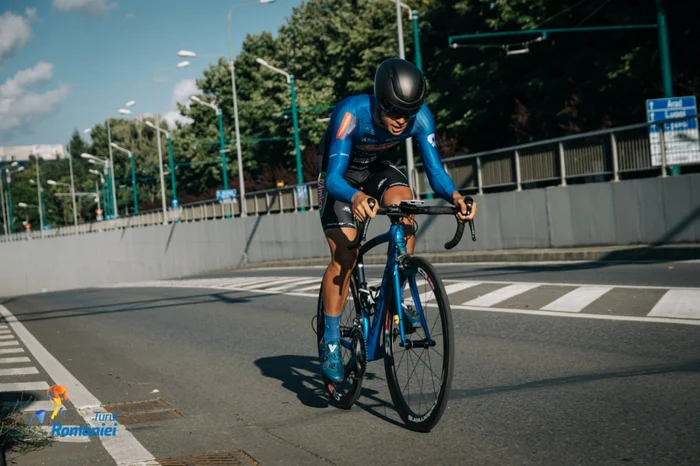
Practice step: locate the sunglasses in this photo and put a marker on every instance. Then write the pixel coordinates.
(397, 113)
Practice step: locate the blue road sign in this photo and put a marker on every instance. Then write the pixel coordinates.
(302, 192)
(224, 194)
(681, 141)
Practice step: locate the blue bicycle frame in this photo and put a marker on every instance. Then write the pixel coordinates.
(372, 325)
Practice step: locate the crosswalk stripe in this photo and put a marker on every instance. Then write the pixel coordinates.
(678, 303)
(7, 337)
(455, 287)
(9, 343)
(11, 350)
(293, 284)
(275, 284)
(19, 371)
(316, 286)
(501, 294)
(237, 282)
(5, 332)
(576, 300)
(38, 405)
(23, 386)
(3, 326)
(257, 283)
(14, 360)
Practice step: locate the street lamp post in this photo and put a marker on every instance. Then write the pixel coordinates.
(9, 174)
(40, 194)
(174, 202)
(92, 159)
(97, 187)
(133, 175)
(222, 148)
(295, 116)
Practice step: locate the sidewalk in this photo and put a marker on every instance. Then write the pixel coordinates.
(634, 253)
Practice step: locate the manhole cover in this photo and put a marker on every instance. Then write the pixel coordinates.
(138, 412)
(220, 458)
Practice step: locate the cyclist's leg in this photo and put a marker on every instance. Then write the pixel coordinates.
(390, 186)
(339, 229)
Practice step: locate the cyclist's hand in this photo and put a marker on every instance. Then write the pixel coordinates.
(461, 204)
(361, 208)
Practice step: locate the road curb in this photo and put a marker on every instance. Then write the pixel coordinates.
(605, 254)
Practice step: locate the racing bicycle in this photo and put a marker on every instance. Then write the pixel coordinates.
(376, 326)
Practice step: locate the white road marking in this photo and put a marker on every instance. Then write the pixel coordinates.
(14, 360)
(576, 300)
(678, 303)
(275, 284)
(9, 343)
(316, 286)
(45, 405)
(257, 283)
(294, 284)
(23, 386)
(501, 294)
(19, 371)
(123, 448)
(11, 350)
(7, 337)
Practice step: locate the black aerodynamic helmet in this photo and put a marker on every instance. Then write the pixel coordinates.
(399, 87)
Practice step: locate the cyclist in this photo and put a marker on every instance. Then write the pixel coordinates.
(352, 169)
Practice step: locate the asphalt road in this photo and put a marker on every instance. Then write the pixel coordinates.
(240, 367)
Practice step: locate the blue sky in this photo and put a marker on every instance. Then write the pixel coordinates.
(68, 64)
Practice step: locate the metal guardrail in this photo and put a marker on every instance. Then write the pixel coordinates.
(606, 155)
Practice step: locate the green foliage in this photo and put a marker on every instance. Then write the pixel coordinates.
(481, 97)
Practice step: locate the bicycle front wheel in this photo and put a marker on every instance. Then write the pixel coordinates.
(420, 378)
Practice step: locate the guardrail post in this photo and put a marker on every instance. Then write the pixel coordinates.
(479, 180)
(267, 203)
(518, 176)
(616, 167)
(296, 201)
(562, 164)
(662, 141)
(279, 193)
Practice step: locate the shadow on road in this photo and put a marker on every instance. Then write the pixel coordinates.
(301, 375)
(688, 366)
(129, 306)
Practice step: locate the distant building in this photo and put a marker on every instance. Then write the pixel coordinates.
(22, 153)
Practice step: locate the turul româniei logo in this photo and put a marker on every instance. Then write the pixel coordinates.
(58, 395)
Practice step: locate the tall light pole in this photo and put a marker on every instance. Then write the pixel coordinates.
(133, 175)
(38, 182)
(92, 159)
(72, 188)
(9, 172)
(222, 149)
(295, 116)
(174, 202)
(160, 152)
(244, 204)
(2, 203)
(409, 141)
(40, 192)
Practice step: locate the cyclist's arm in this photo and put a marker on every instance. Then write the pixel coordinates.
(343, 124)
(438, 178)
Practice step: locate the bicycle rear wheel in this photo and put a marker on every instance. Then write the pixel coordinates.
(420, 378)
(343, 394)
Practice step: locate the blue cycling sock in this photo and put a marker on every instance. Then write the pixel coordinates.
(332, 331)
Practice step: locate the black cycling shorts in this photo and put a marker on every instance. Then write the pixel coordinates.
(373, 181)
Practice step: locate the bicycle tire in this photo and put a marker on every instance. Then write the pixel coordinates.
(416, 421)
(340, 398)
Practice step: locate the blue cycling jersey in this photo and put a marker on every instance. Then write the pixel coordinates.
(354, 141)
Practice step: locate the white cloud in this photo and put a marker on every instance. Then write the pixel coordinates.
(19, 107)
(30, 12)
(14, 86)
(89, 7)
(181, 95)
(14, 33)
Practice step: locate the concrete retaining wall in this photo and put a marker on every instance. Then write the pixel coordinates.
(647, 211)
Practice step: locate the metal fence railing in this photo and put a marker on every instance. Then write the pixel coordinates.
(643, 149)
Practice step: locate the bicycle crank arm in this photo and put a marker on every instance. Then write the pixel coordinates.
(424, 343)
